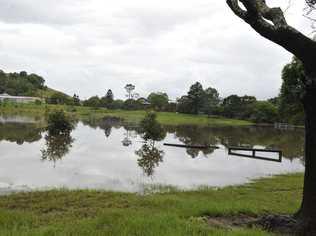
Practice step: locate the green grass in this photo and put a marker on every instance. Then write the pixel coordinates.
(62, 212)
(166, 118)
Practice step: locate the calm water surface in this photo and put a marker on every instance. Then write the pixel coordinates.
(110, 155)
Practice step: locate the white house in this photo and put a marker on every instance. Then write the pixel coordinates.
(18, 99)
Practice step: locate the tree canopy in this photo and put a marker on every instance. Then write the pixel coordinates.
(20, 84)
(158, 100)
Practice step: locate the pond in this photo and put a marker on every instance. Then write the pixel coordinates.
(111, 155)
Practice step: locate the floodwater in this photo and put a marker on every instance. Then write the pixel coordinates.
(111, 155)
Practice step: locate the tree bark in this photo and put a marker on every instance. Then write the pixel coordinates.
(271, 24)
(307, 213)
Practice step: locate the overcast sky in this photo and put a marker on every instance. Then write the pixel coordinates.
(88, 46)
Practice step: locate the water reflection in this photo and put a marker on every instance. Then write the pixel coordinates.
(58, 139)
(290, 142)
(193, 135)
(94, 156)
(20, 132)
(150, 157)
(57, 146)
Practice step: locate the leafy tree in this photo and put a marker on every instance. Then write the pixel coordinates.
(59, 123)
(151, 129)
(20, 84)
(36, 80)
(131, 104)
(238, 107)
(108, 99)
(247, 103)
(275, 101)
(2, 81)
(199, 100)
(23, 74)
(171, 107)
(117, 104)
(232, 106)
(158, 100)
(184, 105)
(210, 101)
(264, 112)
(93, 102)
(129, 89)
(291, 108)
(76, 100)
(109, 96)
(196, 95)
(58, 138)
(150, 156)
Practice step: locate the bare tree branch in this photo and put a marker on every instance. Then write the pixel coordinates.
(288, 6)
(311, 3)
(271, 24)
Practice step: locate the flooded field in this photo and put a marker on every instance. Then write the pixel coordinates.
(112, 155)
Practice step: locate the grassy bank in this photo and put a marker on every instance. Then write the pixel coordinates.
(166, 118)
(172, 213)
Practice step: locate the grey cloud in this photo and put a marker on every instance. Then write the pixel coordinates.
(60, 12)
(157, 45)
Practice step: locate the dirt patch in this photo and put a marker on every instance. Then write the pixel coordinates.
(277, 223)
(231, 221)
(281, 224)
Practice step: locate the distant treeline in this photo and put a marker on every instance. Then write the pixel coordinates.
(284, 108)
(21, 83)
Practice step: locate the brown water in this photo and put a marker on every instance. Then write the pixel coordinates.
(110, 155)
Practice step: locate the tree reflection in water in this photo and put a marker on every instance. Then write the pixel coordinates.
(291, 142)
(127, 139)
(58, 139)
(20, 133)
(150, 156)
(57, 146)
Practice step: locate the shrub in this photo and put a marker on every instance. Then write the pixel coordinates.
(59, 123)
(151, 128)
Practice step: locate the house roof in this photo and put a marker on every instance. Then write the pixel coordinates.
(5, 95)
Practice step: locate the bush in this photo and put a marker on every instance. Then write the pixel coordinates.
(264, 112)
(93, 102)
(38, 102)
(151, 129)
(59, 123)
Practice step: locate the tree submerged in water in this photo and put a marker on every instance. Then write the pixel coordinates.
(59, 123)
(58, 138)
(150, 156)
(151, 128)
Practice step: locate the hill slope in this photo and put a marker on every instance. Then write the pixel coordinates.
(24, 84)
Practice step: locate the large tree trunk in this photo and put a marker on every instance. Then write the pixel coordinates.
(307, 213)
(271, 24)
